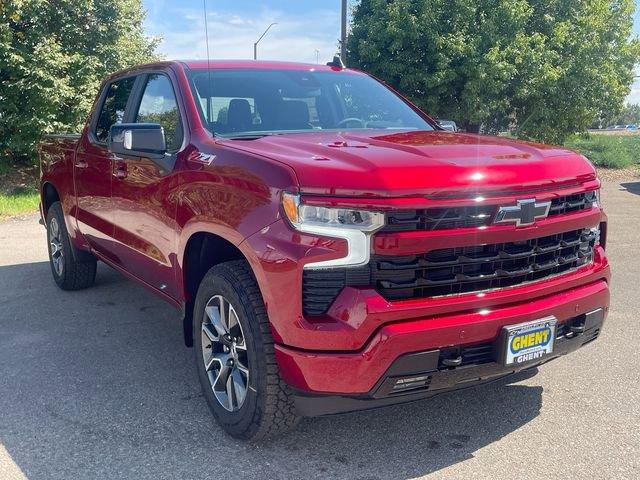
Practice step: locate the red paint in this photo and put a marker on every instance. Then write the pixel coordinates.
(140, 219)
(357, 372)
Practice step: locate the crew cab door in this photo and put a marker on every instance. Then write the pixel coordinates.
(144, 211)
(93, 170)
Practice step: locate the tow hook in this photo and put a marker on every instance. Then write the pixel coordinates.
(452, 362)
(575, 330)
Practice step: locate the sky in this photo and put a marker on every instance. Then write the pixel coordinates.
(307, 30)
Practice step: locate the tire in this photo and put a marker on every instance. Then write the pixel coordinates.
(71, 269)
(266, 409)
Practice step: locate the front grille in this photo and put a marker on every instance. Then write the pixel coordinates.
(472, 269)
(477, 354)
(573, 203)
(440, 218)
(453, 270)
(431, 219)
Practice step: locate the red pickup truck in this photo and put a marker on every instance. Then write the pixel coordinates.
(330, 246)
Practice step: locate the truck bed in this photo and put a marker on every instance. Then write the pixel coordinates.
(56, 148)
(57, 156)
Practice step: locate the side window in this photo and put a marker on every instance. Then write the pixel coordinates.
(113, 108)
(159, 105)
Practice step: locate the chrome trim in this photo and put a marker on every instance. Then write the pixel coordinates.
(525, 213)
(128, 140)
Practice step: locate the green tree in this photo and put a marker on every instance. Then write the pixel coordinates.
(544, 68)
(629, 115)
(53, 55)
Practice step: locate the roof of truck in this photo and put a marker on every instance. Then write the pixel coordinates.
(253, 64)
(232, 64)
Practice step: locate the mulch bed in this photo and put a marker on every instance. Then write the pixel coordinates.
(19, 178)
(615, 175)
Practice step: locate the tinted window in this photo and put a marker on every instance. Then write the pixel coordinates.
(114, 106)
(159, 105)
(220, 108)
(261, 101)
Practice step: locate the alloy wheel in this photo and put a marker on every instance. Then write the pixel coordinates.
(224, 351)
(55, 247)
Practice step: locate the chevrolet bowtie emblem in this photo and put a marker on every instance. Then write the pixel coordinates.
(526, 212)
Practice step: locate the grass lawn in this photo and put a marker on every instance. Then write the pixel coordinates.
(20, 201)
(18, 190)
(609, 151)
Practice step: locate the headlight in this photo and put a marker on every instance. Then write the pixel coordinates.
(595, 232)
(594, 198)
(354, 226)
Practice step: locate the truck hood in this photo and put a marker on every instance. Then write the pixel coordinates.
(419, 163)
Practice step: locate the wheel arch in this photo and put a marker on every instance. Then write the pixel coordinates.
(204, 249)
(48, 196)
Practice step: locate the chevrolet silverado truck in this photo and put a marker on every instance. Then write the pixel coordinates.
(329, 246)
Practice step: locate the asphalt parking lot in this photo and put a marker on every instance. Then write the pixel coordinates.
(97, 384)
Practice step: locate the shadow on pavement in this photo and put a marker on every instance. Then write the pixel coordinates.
(631, 187)
(98, 384)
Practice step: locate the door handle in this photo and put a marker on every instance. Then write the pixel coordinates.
(81, 164)
(120, 170)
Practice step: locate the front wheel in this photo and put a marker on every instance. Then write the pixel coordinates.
(70, 272)
(234, 355)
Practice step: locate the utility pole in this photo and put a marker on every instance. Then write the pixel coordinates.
(255, 45)
(343, 37)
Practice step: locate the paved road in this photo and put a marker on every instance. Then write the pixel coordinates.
(97, 384)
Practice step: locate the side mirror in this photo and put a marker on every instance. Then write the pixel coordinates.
(138, 139)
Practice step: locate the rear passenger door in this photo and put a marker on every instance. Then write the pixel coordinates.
(144, 213)
(93, 172)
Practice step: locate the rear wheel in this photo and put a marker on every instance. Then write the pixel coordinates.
(71, 269)
(234, 355)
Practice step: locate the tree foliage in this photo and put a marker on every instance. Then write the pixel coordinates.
(547, 68)
(629, 115)
(53, 55)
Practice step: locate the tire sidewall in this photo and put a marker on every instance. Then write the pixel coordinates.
(216, 282)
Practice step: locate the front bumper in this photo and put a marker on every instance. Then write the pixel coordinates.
(425, 374)
(359, 373)
(346, 352)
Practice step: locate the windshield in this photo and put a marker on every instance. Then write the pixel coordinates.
(246, 102)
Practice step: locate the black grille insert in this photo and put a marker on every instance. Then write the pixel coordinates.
(320, 288)
(478, 268)
(453, 271)
(471, 355)
(474, 216)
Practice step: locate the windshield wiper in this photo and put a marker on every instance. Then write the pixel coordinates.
(250, 136)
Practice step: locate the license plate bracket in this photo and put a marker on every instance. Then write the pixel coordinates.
(528, 342)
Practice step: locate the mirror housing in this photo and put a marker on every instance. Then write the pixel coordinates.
(138, 140)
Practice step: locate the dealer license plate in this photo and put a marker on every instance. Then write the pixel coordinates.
(528, 342)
